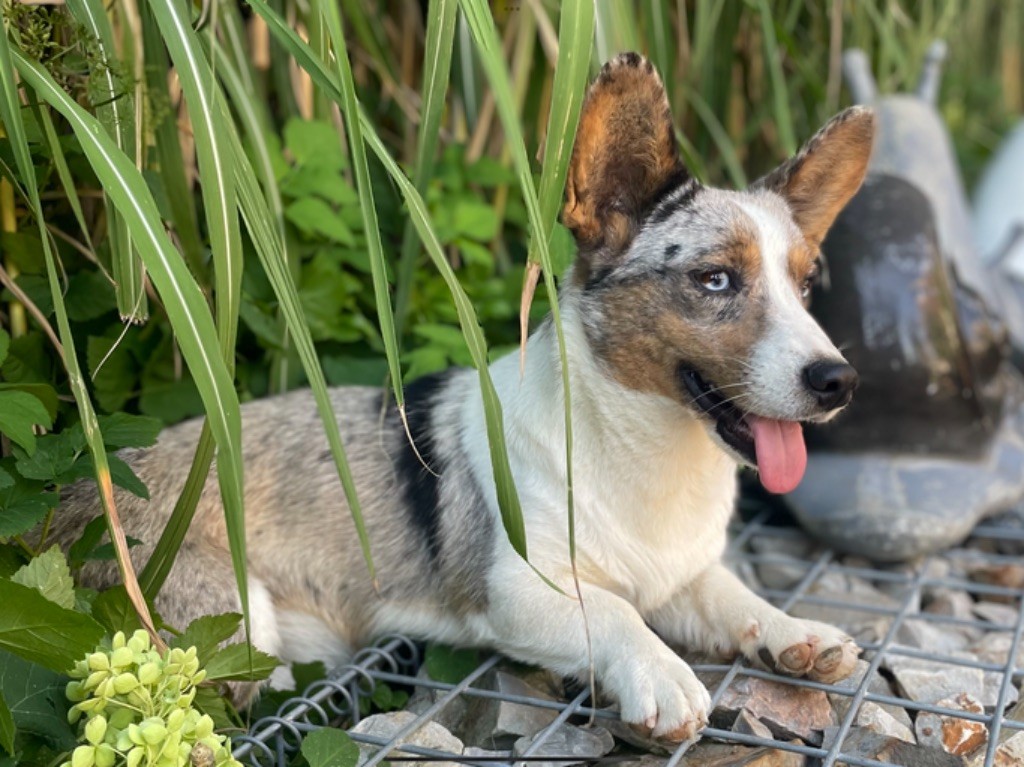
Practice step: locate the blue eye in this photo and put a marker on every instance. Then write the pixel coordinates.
(715, 281)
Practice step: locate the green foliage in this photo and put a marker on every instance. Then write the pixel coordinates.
(450, 664)
(328, 747)
(135, 706)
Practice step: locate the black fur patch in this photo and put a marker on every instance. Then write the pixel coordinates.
(669, 206)
(420, 485)
(671, 251)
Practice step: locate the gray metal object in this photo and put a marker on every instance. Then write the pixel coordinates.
(934, 440)
(273, 740)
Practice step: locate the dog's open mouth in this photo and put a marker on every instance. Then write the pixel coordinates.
(775, 447)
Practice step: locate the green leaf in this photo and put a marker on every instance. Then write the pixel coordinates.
(6, 480)
(232, 663)
(328, 747)
(127, 430)
(475, 219)
(7, 728)
(5, 344)
(207, 632)
(114, 371)
(321, 181)
(121, 474)
(314, 217)
(314, 142)
(115, 612)
(49, 574)
(41, 391)
(90, 295)
(80, 550)
(449, 664)
(23, 504)
(34, 628)
(54, 457)
(211, 702)
(36, 699)
(19, 412)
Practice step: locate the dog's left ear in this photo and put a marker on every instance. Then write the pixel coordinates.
(624, 161)
(821, 178)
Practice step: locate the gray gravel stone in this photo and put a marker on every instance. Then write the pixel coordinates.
(429, 735)
(952, 734)
(567, 740)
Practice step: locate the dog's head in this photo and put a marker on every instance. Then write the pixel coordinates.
(700, 294)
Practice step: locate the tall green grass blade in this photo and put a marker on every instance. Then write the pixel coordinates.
(271, 251)
(256, 125)
(184, 303)
(780, 96)
(160, 562)
(212, 129)
(720, 136)
(357, 151)
(167, 146)
(616, 28)
(60, 164)
(480, 23)
(116, 111)
(437, 63)
(10, 115)
(575, 33)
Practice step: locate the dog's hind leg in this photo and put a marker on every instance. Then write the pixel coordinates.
(717, 613)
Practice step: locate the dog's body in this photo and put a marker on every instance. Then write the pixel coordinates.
(676, 284)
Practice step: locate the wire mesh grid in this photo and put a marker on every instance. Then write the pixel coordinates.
(395, 661)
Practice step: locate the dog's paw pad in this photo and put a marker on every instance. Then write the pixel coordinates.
(796, 659)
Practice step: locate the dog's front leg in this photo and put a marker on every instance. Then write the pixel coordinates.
(718, 613)
(655, 688)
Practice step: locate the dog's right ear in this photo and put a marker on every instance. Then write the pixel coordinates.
(624, 161)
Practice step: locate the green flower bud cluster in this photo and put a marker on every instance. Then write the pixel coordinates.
(135, 708)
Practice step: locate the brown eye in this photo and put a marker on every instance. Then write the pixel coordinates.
(716, 281)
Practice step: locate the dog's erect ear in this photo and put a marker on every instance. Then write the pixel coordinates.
(822, 177)
(624, 161)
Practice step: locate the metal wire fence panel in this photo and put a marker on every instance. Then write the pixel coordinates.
(791, 572)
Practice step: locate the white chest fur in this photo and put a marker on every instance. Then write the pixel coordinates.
(652, 492)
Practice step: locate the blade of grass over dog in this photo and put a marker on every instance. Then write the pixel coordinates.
(160, 562)
(184, 303)
(10, 115)
(575, 33)
(508, 496)
(486, 38)
(271, 251)
(437, 64)
(357, 151)
(212, 129)
(114, 109)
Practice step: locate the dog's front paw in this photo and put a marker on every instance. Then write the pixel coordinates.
(815, 650)
(660, 697)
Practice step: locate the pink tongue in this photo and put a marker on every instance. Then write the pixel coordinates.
(781, 453)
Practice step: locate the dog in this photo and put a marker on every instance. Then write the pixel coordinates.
(690, 350)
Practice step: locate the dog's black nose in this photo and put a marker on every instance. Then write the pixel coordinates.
(831, 383)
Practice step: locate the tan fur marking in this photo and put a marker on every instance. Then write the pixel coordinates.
(801, 260)
(651, 336)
